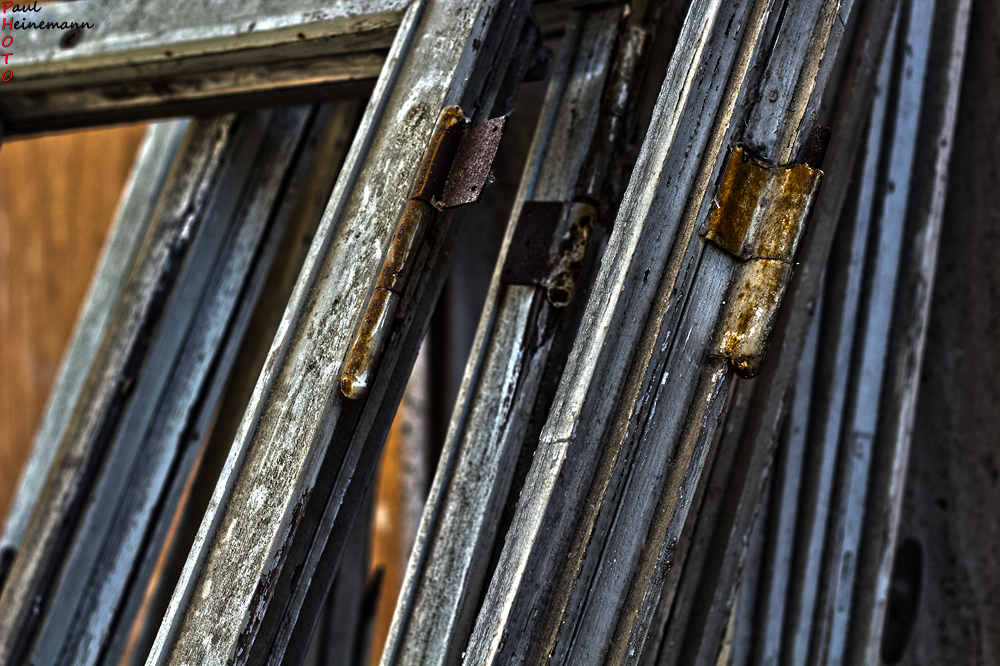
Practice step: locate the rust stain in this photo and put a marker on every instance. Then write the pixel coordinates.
(752, 308)
(761, 209)
(416, 218)
(470, 168)
(362, 358)
(566, 264)
(788, 198)
(410, 231)
(436, 164)
(737, 201)
(759, 215)
(434, 187)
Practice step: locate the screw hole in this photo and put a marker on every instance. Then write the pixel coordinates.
(70, 38)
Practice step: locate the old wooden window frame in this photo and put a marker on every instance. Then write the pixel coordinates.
(128, 71)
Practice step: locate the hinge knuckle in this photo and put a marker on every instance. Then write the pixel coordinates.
(752, 306)
(368, 344)
(567, 261)
(410, 231)
(433, 174)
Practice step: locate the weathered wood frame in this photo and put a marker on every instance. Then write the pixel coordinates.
(142, 60)
(469, 46)
(298, 468)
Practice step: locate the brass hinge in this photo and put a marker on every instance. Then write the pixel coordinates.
(759, 215)
(454, 170)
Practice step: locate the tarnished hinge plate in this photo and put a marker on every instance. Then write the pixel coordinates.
(548, 247)
(471, 168)
(454, 171)
(527, 259)
(759, 215)
(458, 159)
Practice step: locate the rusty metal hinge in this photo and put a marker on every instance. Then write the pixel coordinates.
(759, 215)
(454, 172)
(540, 255)
(551, 237)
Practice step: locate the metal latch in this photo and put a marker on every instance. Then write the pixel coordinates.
(759, 216)
(454, 170)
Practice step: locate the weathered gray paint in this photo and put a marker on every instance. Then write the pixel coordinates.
(147, 60)
(174, 231)
(840, 324)
(773, 136)
(908, 336)
(151, 440)
(567, 454)
(777, 560)
(953, 477)
(769, 394)
(837, 586)
(134, 214)
(444, 54)
(843, 293)
(447, 570)
(513, 601)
